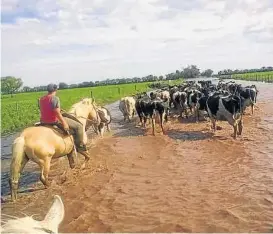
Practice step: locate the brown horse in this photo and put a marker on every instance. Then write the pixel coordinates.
(42, 143)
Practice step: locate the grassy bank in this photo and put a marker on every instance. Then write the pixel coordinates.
(22, 110)
(255, 76)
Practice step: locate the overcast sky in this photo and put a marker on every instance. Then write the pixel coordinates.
(83, 40)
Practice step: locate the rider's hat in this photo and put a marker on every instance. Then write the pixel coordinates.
(52, 87)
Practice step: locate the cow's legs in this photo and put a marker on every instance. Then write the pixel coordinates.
(108, 128)
(140, 119)
(191, 109)
(213, 124)
(153, 124)
(197, 113)
(145, 121)
(166, 117)
(196, 110)
(162, 115)
(186, 111)
(240, 125)
(235, 128)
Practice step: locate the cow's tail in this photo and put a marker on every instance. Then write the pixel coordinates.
(241, 108)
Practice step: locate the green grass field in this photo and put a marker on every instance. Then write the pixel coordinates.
(255, 76)
(22, 110)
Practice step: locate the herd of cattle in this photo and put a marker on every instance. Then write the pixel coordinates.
(223, 101)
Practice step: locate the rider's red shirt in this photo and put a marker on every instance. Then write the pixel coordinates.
(46, 108)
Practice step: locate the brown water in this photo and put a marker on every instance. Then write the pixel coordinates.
(186, 181)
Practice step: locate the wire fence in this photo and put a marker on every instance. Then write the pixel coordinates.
(268, 78)
(23, 110)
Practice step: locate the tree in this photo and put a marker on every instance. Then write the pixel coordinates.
(207, 73)
(26, 89)
(10, 84)
(191, 72)
(63, 85)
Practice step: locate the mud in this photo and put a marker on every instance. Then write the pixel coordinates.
(189, 180)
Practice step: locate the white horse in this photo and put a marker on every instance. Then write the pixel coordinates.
(27, 224)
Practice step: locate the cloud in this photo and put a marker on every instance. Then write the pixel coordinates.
(75, 41)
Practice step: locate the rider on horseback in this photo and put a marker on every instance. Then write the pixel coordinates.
(51, 114)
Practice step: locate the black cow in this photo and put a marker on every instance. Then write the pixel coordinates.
(201, 106)
(147, 108)
(249, 94)
(226, 109)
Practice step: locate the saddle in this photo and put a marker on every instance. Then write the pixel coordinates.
(56, 126)
(59, 126)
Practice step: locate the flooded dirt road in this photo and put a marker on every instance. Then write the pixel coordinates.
(186, 181)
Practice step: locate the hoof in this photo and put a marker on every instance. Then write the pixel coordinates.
(83, 166)
(72, 166)
(47, 184)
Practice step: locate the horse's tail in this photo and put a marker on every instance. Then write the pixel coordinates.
(109, 114)
(18, 154)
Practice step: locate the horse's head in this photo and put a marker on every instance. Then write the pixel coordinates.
(27, 224)
(88, 109)
(89, 105)
(87, 101)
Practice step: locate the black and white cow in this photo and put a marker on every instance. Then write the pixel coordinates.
(172, 90)
(180, 102)
(227, 108)
(249, 94)
(147, 108)
(192, 99)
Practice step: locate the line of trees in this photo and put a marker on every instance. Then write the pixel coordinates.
(11, 85)
(237, 71)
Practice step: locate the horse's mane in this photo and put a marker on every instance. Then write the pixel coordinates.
(81, 102)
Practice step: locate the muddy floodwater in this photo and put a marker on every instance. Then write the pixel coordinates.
(189, 180)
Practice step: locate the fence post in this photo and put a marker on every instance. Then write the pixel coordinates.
(118, 90)
(38, 103)
(17, 107)
(91, 94)
(135, 87)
